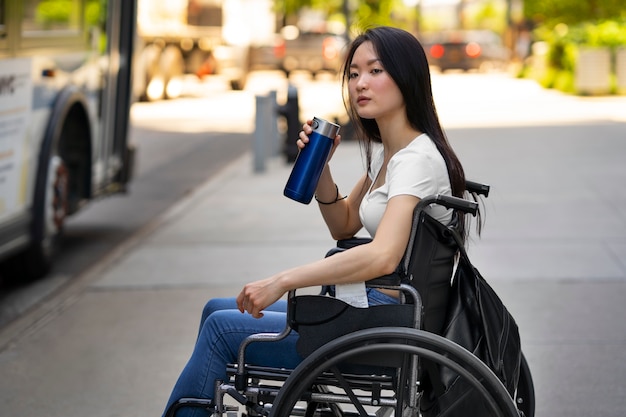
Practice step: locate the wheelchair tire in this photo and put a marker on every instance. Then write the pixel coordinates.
(402, 340)
(525, 395)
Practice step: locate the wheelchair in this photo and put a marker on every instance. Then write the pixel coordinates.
(377, 361)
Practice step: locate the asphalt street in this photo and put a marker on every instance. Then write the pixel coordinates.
(554, 245)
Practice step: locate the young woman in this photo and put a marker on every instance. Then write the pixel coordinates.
(387, 91)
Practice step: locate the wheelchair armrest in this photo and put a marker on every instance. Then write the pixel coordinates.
(344, 244)
(352, 242)
(391, 280)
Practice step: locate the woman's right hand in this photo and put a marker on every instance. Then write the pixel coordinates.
(303, 138)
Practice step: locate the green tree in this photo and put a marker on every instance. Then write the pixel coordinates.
(51, 12)
(552, 12)
(362, 13)
(290, 9)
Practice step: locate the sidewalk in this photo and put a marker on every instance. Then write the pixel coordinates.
(553, 247)
(119, 338)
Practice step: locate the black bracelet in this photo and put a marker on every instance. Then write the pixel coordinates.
(332, 202)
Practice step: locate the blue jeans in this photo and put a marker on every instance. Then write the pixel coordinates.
(222, 329)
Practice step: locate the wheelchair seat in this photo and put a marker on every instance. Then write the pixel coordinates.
(378, 359)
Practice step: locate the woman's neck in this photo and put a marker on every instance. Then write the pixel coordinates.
(396, 135)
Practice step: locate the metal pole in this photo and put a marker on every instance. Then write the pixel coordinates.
(274, 134)
(261, 132)
(291, 112)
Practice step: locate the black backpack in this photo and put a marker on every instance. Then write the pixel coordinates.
(477, 320)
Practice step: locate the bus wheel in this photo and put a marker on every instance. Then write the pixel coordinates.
(49, 219)
(59, 197)
(52, 217)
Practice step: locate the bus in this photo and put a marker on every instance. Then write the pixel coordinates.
(65, 96)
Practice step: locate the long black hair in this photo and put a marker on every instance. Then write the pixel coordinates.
(403, 58)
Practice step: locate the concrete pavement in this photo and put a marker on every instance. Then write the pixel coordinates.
(113, 342)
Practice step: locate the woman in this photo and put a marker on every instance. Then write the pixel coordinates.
(387, 91)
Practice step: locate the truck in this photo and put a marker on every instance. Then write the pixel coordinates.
(201, 37)
(313, 51)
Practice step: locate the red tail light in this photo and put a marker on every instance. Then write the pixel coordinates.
(329, 48)
(280, 49)
(437, 51)
(473, 50)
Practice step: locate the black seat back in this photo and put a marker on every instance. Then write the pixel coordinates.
(428, 265)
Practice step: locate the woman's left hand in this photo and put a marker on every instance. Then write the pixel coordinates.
(258, 295)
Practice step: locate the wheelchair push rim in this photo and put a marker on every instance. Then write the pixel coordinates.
(423, 344)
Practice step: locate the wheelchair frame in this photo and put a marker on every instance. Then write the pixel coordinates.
(319, 387)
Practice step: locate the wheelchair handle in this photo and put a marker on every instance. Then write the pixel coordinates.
(450, 202)
(477, 187)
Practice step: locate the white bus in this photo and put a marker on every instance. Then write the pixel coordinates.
(65, 93)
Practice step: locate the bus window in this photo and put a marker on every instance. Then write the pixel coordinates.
(51, 15)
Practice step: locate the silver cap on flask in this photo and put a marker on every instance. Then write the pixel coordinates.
(325, 128)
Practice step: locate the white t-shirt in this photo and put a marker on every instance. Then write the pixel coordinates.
(418, 170)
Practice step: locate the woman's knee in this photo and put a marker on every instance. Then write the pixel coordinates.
(222, 332)
(230, 303)
(217, 304)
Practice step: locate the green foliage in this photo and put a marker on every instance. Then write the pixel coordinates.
(561, 47)
(491, 15)
(54, 11)
(66, 11)
(564, 42)
(564, 81)
(292, 7)
(563, 39)
(552, 12)
(363, 13)
(93, 13)
(374, 13)
(610, 33)
(329, 6)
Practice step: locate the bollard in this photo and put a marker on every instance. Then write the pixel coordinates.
(262, 130)
(291, 112)
(273, 133)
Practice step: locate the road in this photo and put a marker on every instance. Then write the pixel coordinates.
(553, 247)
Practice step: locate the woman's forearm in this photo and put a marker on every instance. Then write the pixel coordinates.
(339, 213)
(358, 264)
(326, 188)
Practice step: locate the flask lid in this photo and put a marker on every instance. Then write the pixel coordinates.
(325, 128)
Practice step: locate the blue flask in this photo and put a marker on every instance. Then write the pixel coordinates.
(310, 161)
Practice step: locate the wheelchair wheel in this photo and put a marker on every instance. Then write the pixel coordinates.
(383, 343)
(525, 395)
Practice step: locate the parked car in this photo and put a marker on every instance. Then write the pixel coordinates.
(265, 56)
(310, 51)
(465, 50)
